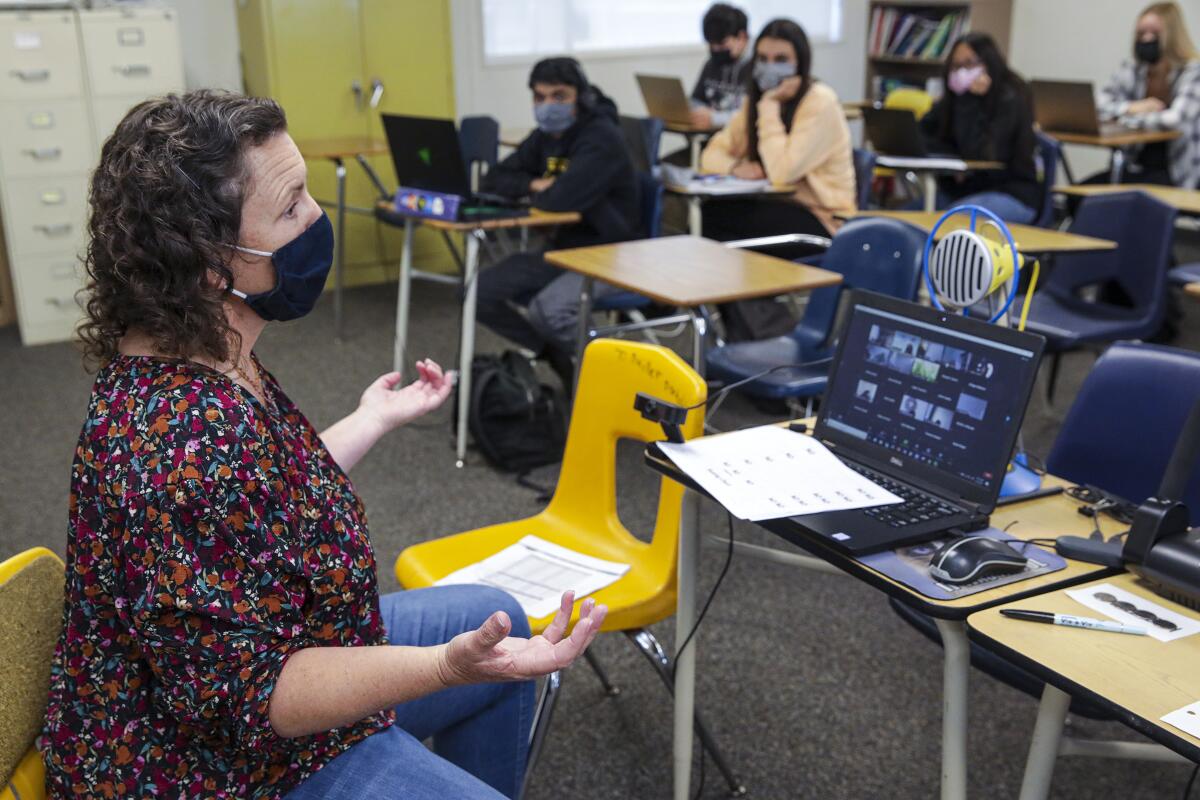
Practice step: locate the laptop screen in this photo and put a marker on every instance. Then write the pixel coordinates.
(426, 154)
(935, 394)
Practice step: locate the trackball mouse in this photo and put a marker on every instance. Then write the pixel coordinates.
(973, 557)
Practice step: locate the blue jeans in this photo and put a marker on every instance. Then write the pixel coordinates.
(480, 732)
(1002, 204)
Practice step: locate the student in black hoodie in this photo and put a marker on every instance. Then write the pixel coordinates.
(985, 115)
(576, 160)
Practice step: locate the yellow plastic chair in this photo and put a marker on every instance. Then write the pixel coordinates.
(582, 515)
(31, 605)
(917, 101)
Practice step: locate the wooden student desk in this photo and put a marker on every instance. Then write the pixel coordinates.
(1042, 517)
(1137, 678)
(1116, 142)
(336, 151)
(696, 196)
(695, 137)
(1029, 240)
(473, 232)
(1185, 201)
(688, 272)
(929, 172)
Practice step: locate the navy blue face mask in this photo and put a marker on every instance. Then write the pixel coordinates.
(301, 267)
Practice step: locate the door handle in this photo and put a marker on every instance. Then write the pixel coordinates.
(61, 229)
(131, 70)
(357, 90)
(30, 75)
(376, 92)
(42, 153)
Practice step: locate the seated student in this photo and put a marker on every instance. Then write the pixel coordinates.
(791, 130)
(576, 160)
(721, 85)
(985, 115)
(1159, 89)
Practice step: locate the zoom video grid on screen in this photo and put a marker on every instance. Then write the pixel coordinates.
(939, 397)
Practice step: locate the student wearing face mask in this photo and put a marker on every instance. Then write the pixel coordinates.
(1159, 89)
(985, 115)
(790, 130)
(721, 85)
(576, 160)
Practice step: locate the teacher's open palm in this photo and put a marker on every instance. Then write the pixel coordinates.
(489, 654)
(393, 407)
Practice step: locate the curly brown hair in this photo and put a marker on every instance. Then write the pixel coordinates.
(166, 204)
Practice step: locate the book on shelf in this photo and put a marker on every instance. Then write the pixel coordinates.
(897, 33)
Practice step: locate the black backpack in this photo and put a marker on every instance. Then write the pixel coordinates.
(517, 422)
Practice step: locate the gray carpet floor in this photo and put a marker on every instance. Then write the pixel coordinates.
(814, 688)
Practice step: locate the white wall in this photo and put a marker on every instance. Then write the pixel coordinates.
(210, 43)
(500, 90)
(1079, 40)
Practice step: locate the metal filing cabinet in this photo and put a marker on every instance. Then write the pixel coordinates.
(66, 79)
(46, 150)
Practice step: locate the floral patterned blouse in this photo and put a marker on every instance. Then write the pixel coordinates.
(210, 537)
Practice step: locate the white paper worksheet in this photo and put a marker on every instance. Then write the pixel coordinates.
(537, 572)
(771, 472)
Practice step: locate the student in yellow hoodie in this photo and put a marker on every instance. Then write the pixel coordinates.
(791, 130)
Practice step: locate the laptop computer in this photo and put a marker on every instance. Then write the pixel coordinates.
(427, 156)
(666, 99)
(1069, 107)
(928, 404)
(895, 132)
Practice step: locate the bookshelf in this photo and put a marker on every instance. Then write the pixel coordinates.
(907, 42)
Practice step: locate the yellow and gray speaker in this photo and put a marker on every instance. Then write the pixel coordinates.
(966, 271)
(966, 268)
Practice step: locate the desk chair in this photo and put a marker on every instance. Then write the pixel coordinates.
(875, 253)
(1143, 228)
(1119, 441)
(479, 138)
(642, 137)
(631, 304)
(1048, 153)
(31, 606)
(582, 515)
(864, 174)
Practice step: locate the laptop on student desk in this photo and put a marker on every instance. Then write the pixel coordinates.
(1069, 107)
(666, 99)
(428, 158)
(927, 404)
(895, 132)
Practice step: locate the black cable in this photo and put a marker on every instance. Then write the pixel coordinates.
(1187, 790)
(711, 594)
(724, 390)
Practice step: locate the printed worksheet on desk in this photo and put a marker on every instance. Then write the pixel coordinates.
(771, 472)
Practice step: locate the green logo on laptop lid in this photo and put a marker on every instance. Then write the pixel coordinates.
(425, 155)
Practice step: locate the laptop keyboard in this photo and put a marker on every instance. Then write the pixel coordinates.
(917, 506)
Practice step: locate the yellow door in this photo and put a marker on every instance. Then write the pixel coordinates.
(407, 48)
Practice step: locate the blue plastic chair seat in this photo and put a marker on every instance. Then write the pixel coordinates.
(1188, 273)
(1067, 324)
(740, 360)
(621, 301)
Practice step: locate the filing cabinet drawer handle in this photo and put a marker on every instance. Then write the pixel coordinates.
(59, 229)
(43, 153)
(130, 70)
(60, 302)
(31, 75)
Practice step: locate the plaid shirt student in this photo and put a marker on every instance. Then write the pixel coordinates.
(1129, 84)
